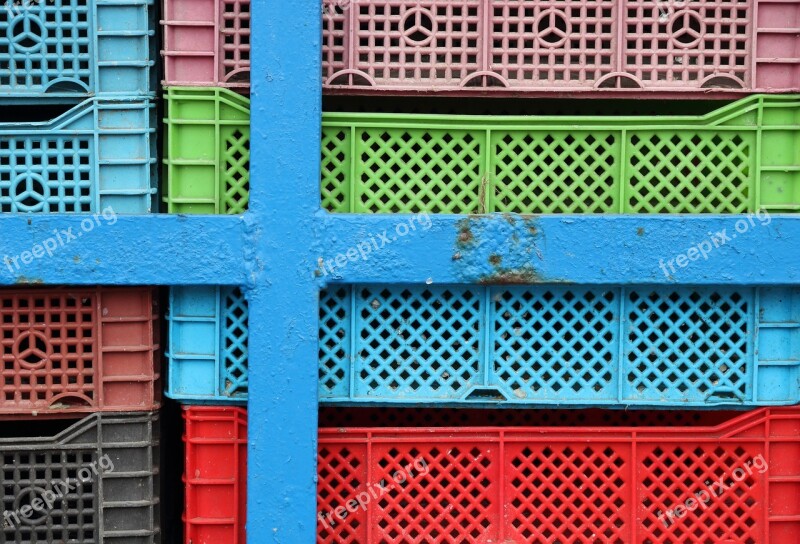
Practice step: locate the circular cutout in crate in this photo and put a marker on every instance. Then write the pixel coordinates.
(418, 26)
(686, 29)
(32, 349)
(27, 33)
(553, 28)
(30, 192)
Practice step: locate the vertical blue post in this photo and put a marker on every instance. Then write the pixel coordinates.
(284, 200)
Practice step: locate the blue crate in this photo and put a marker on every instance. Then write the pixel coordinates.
(63, 49)
(98, 154)
(539, 345)
(207, 353)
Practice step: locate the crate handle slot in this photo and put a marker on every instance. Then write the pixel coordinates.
(724, 395)
(719, 81)
(486, 394)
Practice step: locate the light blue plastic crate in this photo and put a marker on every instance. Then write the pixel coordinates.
(99, 153)
(63, 49)
(538, 345)
(207, 352)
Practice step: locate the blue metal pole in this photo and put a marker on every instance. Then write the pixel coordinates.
(284, 199)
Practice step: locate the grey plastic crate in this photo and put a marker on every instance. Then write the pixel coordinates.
(118, 503)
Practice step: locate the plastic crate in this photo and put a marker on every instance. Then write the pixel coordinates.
(741, 157)
(207, 151)
(99, 154)
(523, 484)
(74, 350)
(207, 43)
(215, 475)
(532, 345)
(66, 49)
(638, 47)
(105, 469)
(207, 352)
(576, 484)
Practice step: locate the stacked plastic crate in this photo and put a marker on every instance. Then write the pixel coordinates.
(80, 371)
(444, 471)
(206, 170)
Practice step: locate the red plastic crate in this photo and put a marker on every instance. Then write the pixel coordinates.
(639, 47)
(207, 43)
(553, 483)
(78, 350)
(216, 475)
(572, 485)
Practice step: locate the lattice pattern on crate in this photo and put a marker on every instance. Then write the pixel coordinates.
(552, 42)
(405, 171)
(566, 172)
(48, 45)
(555, 343)
(46, 174)
(712, 163)
(236, 40)
(236, 180)
(694, 345)
(702, 43)
(417, 341)
(426, 40)
(417, 46)
(334, 341)
(235, 332)
(579, 484)
(546, 343)
(342, 475)
(49, 347)
(28, 475)
(671, 473)
(566, 491)
(690, 172)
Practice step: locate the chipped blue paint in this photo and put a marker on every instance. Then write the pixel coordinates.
(565, 249)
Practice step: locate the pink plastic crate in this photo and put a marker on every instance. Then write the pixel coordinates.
(207, 43)
(662, 47)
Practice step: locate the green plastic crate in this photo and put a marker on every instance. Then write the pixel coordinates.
(207, 151)
(741, 157)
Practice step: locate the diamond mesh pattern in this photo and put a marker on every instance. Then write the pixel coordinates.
(425, 40)
(335, 169)
(236, 40)
(555, 343)
(334, 342)
(449, 500)
(565, 492)
(417, 341)
(671, 474)
(342, 474)
(48, 42)
(46, 175)
(674, 44)
(439, 171)
(49, 345)
(551, 42)
(690, 172)
(235, 333)
(688, 344)
(26, 476)
(555, 172)
(236, 155)
(549, 344)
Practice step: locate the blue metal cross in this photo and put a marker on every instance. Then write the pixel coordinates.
(275, 251)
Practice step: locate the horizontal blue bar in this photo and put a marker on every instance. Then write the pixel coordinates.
(608, 249)
(123, 250)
